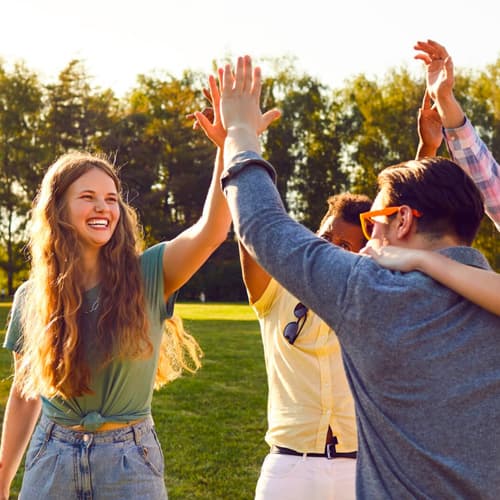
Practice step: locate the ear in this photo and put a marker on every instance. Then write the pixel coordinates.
(406, 222)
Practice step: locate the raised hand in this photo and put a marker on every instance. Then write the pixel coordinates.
(240, 98)
(439, 67)
(430, 128)
(209, 120)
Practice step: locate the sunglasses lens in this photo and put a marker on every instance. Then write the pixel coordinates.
(291, 331)
(300, 310)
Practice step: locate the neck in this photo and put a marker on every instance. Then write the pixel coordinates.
(424, 242)
(90, 270)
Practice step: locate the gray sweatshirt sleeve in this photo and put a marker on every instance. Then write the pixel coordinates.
(311, 268)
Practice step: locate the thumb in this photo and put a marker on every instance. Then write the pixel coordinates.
(203, 121)
(207, 127)
(367, 250)
(270, 116)
(448, 67)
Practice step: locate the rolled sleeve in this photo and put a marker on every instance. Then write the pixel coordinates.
(472, 155)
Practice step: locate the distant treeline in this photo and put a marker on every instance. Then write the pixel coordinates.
(327, 141)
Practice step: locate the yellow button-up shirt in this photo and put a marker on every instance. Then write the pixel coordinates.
(308, 389)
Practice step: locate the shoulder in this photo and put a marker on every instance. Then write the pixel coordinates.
(153, 252)
(20, 294)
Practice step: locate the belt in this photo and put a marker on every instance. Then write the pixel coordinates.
(329, 452)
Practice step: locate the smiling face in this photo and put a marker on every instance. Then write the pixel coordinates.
(92, 204)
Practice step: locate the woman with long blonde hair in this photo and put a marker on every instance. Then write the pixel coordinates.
(86, 330)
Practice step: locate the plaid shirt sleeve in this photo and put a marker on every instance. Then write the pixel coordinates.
(470, 152)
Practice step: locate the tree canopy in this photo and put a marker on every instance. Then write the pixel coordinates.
(327, 141)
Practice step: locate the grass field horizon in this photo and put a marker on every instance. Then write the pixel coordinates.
(211, 425)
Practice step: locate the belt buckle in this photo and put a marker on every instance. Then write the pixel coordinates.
(330, 451)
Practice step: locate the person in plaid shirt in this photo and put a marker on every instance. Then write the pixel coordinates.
(465, 146)
(446, 118)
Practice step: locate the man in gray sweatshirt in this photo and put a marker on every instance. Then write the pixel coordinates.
(423, 363)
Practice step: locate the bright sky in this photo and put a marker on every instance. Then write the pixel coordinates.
(332, 40)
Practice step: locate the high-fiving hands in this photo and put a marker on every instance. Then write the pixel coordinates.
(209, 119)
(235, 110)
(429, 126)
(440, 77)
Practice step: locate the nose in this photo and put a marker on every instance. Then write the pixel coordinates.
(99, 206)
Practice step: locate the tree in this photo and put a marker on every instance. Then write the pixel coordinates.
(166, 166)
(303, 144)
(378, 125)
(77, 116)
(20, 109)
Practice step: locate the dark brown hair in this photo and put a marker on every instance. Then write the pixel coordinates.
(446, 196)
(347, 206)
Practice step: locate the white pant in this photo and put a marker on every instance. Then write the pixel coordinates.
(288, 477)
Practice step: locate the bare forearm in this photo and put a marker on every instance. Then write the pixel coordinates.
(450, 111)
(19, 421)
(215, 210)
(186, 253)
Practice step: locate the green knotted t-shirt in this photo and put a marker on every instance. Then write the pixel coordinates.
(123, 389)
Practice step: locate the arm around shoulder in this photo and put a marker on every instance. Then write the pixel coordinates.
(477, 285)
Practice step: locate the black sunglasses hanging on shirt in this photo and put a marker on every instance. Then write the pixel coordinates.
(292, 329)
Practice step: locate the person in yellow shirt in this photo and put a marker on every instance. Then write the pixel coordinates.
(311, 419)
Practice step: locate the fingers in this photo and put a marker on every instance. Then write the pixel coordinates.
(256, 84)
(226, 79)
(214, 92)
(366, 250)
(203, 121)
(426, 101)
(243, 77)
(248, 74)
(207, 94)
(448, 66)
(430, 51)
(239, 75)
(438, 50)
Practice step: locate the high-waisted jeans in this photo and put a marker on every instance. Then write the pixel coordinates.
(123, 464)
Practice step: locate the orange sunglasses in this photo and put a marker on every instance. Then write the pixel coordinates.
(367, 220)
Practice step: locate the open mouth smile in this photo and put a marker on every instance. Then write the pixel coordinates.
(98, 223)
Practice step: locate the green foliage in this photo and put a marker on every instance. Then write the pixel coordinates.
(220, 277)
(327, 141)
(20, 105)
(303, 144)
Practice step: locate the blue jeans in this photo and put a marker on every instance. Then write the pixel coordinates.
(123, 464)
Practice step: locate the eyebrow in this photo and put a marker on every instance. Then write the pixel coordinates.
(114, 193)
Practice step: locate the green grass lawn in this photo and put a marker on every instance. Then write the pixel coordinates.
(211, 425)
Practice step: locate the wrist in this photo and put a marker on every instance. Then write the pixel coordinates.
(422, 260)
(450, 111)
(240, 139)
(424, 150)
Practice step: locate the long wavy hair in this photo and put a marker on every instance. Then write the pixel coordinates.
(179, 351)
(52, 357)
